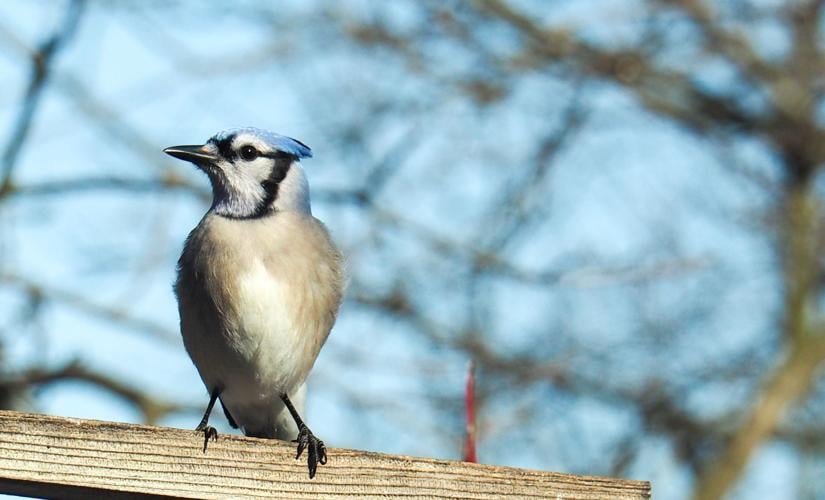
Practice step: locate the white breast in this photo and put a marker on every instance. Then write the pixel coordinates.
(270, 333)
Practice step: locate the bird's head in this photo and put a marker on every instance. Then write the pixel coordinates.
(253, 172)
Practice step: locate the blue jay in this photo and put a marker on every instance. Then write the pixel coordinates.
(259, 285)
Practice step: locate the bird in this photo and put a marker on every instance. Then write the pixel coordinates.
(259, 285)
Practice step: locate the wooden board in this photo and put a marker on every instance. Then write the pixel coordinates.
(47, 456)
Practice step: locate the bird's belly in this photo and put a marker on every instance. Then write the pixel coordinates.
(256, 350)
(269, 334)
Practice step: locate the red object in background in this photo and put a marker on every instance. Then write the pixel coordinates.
(470, 414)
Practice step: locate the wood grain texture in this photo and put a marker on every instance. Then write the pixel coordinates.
(71, 458)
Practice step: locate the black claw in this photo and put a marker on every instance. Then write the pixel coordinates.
(302, 444)
(208, 432)
(316, 451)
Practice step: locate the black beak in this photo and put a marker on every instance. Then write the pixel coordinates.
(195, 154)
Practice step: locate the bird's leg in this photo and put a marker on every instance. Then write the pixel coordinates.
(316, 451)
(208, 430)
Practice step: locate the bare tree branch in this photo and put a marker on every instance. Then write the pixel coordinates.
(789, 383)
(153, 409)
(81, 303)
(41, 60)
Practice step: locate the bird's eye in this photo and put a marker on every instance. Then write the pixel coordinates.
(249, 153)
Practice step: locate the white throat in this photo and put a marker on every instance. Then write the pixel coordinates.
(237, 197)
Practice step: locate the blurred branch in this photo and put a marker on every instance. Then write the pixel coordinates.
(786, 385)
(806, 61)
(110, 121)
(666, 92)
(41, 60)
(510, 213)
(805, 344)
(720, 41)
(800, 256)
(658, 410)
(101, 115)
(151, 408)
(41, 292)
(169, 183)
(494, 264)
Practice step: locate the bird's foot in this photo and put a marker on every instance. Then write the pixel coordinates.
(316, 451)
(208, 432)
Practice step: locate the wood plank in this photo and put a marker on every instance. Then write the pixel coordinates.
(48, 456)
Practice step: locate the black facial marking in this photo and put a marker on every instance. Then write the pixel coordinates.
(225, 147)
(279, 155)
(272, 183)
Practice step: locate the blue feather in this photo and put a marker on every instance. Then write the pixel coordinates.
(291, 146)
